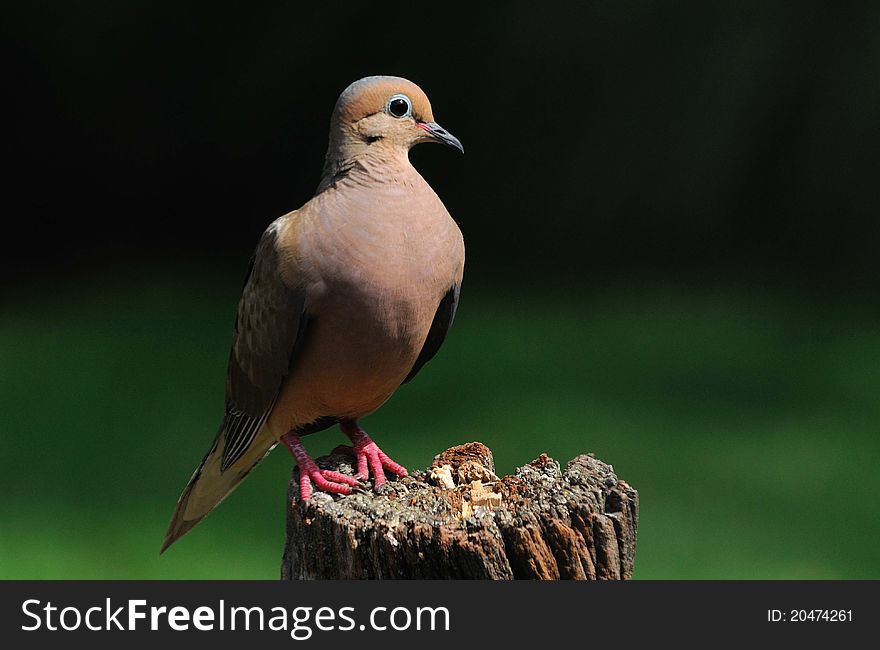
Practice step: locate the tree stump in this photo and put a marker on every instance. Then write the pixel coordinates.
(459, 520)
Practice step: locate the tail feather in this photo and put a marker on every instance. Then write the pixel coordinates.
(210, 484)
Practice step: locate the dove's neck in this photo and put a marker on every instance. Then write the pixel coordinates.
(347, 154)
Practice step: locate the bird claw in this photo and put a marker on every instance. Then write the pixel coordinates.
(323, 479)
(382, 488)
(371, 459)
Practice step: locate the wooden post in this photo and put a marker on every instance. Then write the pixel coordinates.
(459, 520)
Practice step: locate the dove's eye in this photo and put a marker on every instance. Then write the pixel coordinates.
(399, 106)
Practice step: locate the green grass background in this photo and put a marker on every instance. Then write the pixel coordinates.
(747, 419)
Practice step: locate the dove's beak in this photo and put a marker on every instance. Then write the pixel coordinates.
(439, 134)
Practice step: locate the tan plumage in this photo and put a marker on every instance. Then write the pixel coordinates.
(347, 297)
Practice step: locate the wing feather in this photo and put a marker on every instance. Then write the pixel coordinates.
(269, 326)
(271, 319)
(439, 328)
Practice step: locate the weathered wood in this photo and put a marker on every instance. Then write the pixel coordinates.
(459, 520)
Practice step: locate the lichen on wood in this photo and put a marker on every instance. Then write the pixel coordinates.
(457, 519)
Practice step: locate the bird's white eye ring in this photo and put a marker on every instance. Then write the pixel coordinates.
(399, 106)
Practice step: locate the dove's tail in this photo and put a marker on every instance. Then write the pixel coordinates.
(210, 483)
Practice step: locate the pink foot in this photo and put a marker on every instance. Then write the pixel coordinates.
(309, 472)
(369, 457)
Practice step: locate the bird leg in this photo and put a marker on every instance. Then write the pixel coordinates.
(309, 472)
(369, 457)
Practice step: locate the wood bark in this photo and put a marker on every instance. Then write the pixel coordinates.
(458, 520)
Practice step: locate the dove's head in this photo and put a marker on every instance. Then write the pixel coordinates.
(383, 112)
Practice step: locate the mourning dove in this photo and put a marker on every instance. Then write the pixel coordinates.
(346, 299)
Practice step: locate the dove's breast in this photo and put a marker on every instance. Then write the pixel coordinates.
(376, 261)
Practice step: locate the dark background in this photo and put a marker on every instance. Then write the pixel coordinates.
(694, 140)
(670, 212)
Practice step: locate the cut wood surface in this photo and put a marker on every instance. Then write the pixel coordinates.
(457, 519)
